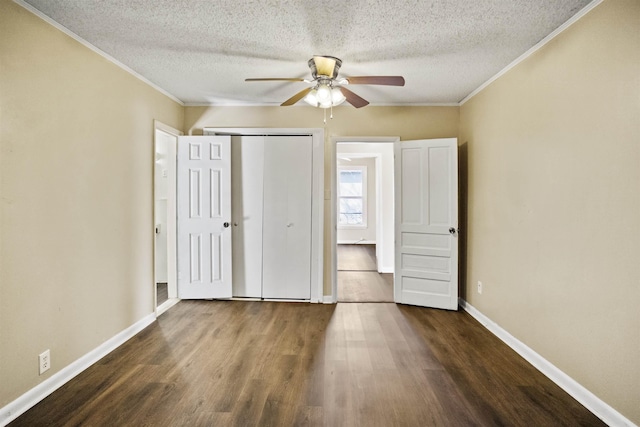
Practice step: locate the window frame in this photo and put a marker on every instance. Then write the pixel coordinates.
(363, 171)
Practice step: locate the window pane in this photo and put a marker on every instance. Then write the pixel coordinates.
(351, 183)
(350, 219)
(350, 205)
(351, 193)
(351, 211)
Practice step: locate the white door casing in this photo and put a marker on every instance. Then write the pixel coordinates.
(204, 215)
(165, 155)
(426, 217)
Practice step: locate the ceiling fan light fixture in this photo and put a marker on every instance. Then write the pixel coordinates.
(324, 94)
(311, 98)
(337, 97)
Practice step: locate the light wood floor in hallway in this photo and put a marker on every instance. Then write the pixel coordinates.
(237, 363)
(358, 278)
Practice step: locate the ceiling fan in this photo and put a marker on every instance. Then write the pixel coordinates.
(328, 90)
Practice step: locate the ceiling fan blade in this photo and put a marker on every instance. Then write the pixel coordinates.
(297, 97)
(376, 80)
(273, 79)
(354, 99)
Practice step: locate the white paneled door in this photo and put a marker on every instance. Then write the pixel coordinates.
(426, 216)
(204, 215)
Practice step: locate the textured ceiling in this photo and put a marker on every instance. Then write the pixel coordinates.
(201, 51)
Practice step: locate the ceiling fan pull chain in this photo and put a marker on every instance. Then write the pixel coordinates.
(331, 117)
(325, 115)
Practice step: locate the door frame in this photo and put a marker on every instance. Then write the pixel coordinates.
(172, 255)
(333, 297)
(317, 191)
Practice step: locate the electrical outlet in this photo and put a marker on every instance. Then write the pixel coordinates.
(45, 361)
(479, 287)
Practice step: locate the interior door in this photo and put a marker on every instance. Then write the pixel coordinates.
(287, 197)
(247, 165)
(204, 215)
(426, 216)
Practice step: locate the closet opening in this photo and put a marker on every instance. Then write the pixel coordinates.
(276, 212)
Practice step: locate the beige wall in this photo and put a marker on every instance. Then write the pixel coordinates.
(76, 144)
(553, 153)
(405, 122)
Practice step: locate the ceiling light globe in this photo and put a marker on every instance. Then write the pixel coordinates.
(311, 98)
(326, 103)
(337, 97)
(324, 94)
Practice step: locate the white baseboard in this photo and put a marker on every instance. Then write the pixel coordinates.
(356, 242)
(23, 403)
(166, 305)
(328, 299)
(589, 400)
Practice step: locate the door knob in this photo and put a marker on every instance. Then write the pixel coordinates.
(226, 225)
(452, 230)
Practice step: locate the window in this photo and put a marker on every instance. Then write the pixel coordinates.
(352, 196)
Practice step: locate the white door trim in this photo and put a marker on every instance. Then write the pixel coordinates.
(172, 260)
(333, 297)
(158, 125)
(318, 194)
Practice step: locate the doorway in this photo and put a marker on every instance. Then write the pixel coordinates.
(364, 210)
(164, 216)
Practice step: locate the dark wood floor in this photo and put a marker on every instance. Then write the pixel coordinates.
(365, 286)
(358, 279)
(357, 258)
(162, 293)
(238, 363)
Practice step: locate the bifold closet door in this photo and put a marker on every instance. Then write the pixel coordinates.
(286, 226)
(247, 165)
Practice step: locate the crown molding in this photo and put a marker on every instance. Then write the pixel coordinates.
(588, 8)
(264, 104)
(95, 49)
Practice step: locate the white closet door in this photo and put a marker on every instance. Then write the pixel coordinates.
(286, 232)
(247, 160)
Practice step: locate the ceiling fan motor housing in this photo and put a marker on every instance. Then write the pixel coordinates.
(324, 66)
